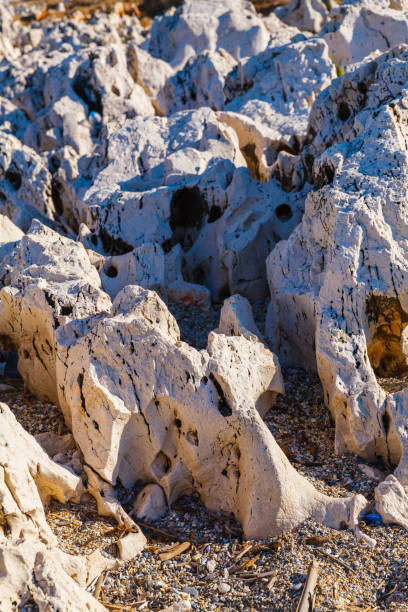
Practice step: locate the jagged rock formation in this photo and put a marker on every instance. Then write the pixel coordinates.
(172, 161)
(339, 282)
(124, 375)
(33, 568)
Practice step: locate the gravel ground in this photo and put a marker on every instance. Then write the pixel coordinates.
(213, 573)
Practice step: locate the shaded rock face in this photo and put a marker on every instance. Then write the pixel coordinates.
(347, 292)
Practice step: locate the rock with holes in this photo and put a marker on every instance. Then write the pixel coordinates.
(194, 416)
(25, 183)
(186, 181)
(207, 25)
(359, 28)
(339, 284)
(309, 15)
(50, 282)
(392, 502)
(143, 266)
(33, 568)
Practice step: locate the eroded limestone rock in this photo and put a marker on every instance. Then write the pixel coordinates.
(33, 568)
(392, 502)
(131, 378)
(339, 284)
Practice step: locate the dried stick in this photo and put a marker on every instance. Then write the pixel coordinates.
(306, 600)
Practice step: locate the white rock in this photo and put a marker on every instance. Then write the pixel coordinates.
(131, 545)
(309, 15)
(339, 282)
(215, 439)
(52, 282)
(190, 293)
(150, 504)
(359, 28)
(207, 25)
(143, 266)
(32, 565)
(392, 502)
(223, 587)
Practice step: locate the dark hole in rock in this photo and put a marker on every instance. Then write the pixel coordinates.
(215, 213)
(114, 246)
(187, 208)
(222, 404)
(187, 211)
(66, 310)
(362, 87)
(94, 240)
(387, 342)
(284, 212)
(111, 271)
(161, 465)
(84, 90)
(56, 193)
(115, 90)
(14, 178)
(343, 111)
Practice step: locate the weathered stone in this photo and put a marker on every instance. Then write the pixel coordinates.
(309, 15)
(150, 504)
(339, 283)
(32, 565)
(51, 282)
(392, 502)
(215, 444)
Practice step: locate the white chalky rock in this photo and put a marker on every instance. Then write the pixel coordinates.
(184, 180)
(309, 15)
(267, 88)
(236, 319)
(25, 183)
(199, 83)
(32, 565)
(150, 504)
(9, 235)
(51, 281)
(392, 502)
(339, 285)
(143, 266)
(207, 25)
(131, 545)
(193, 415)
(360, 27)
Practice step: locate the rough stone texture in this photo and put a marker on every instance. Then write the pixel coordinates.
(32, 566)
(184, 181)
(150, 504)
(309, 15)
(131, 377)
(359, 28)
(199, 26)
(51, 281)
(9, 235)
(339, 284)
(25, 183)
(392, 502)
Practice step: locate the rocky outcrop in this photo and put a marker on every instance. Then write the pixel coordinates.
(50, 282)
(33, 568)
(339, 283)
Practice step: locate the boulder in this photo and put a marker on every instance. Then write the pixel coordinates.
(392, 502)
(33, 568)
(339, 283)
(207, 25)
(193, 413)
(50, 282)
(309, 15)
(185, 181)
(360, 28)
